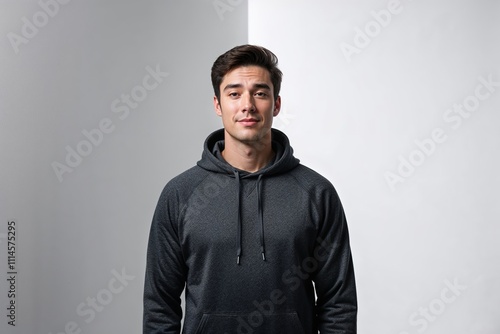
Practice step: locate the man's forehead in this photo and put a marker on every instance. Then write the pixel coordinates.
(248, 71)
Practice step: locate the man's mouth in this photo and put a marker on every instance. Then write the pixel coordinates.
(248, 121)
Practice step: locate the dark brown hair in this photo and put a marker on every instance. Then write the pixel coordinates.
(246, 55)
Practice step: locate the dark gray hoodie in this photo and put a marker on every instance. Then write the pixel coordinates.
(265, 252)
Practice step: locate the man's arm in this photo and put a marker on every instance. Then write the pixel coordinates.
(334, 280)
(165, 270)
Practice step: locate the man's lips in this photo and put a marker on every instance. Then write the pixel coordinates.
(248, 121)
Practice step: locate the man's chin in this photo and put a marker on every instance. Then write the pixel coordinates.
(247, 137)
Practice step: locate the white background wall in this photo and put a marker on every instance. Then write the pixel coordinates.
(63, 79)
(354, 116)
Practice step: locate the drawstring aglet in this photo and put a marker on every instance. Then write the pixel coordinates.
(238, 260)
(263, 256)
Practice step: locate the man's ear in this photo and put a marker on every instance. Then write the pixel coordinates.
(277, 106)
(217, 108)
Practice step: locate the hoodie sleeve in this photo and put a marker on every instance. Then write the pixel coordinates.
(334, 280)
(165, 269)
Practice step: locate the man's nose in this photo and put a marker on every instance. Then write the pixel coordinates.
(247, 103)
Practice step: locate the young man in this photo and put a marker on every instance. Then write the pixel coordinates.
(258, 241)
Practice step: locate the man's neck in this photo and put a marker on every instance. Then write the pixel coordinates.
(249, 157)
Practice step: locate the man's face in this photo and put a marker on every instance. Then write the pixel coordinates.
(247, 104)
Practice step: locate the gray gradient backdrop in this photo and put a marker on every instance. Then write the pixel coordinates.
(371, 95)
(64, 80)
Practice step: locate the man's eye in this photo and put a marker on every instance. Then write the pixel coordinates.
(233, 94)
(261, 94)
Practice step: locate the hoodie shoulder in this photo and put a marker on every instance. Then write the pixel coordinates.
(312, 181)
(184, 184)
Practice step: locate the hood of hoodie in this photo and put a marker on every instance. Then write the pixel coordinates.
(212, 160)
(283, 161)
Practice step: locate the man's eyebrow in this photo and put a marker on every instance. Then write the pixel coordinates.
(262, 86)
(231, 86)
(259, 85)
